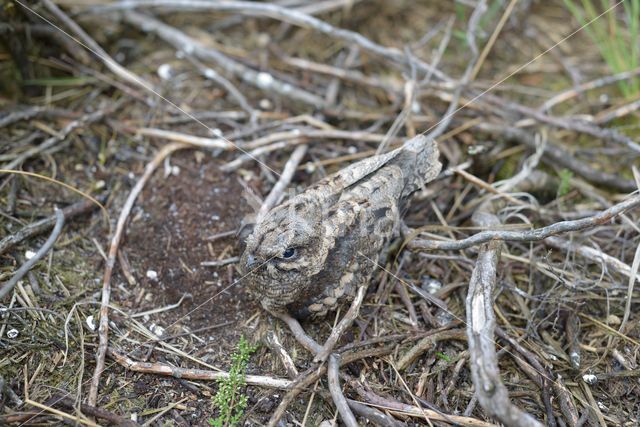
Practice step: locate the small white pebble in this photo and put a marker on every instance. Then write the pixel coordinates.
(175, 170)
(602, 406)
(215, 217)
(415, 107)
(12, 333)
(165, 72)
(431, 285)
(265, 104)
(310, 167)
(263, 39)
(352, 149)
(91, 323)
(29, 254)
(589, 379)
(264, 80)
(210, 73)
(216, 132)
(152, 274)
(156, 329)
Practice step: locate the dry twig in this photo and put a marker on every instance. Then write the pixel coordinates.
(24, 269)
(103, 330)
(529, 235)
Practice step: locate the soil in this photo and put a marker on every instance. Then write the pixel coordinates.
(166, 242)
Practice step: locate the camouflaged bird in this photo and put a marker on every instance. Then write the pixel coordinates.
(310, 254)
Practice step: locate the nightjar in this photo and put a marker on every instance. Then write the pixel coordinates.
(310, 254)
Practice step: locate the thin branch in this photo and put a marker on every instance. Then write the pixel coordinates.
(529, 235)
(491, 392)
(315, 372)
(59, 136)
(272, 341)
(557, 156)
(103, 330)
(298, 332)
(159, 368)
(87, 41)
(183, 42)
(277, 192)
(278, 12)
(566, 123)
(378, 418)
(333, 373)
(24, 269)
(42, 225)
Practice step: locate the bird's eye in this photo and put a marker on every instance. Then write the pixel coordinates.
(289, 253)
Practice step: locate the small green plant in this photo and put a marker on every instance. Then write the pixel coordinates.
(615, 35)
(229, 399)
(565, 182)
(441, 355)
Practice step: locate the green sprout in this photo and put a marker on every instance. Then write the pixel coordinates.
(230, 400)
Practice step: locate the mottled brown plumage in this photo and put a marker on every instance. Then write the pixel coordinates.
(310, 253)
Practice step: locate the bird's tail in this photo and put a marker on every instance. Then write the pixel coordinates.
(418, 158)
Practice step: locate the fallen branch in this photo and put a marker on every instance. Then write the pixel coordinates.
(103, 330)
(58, 137)
(333, 371)
(556, 156)
(277, 192)
(529, 235)
(24, 269)
(183, 42)
(192, 374)
(491, 392)
(314, 373)
(282, 13)
(87, 42)
(42, 225)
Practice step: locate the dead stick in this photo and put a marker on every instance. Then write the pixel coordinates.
(94, 47)
(69, 403)
(314, 373)
(287, 173)
(103, 330)
(192, 374)
(24, 269)
(530, 235)
(42, 225)
(333, 372)
(298, 332)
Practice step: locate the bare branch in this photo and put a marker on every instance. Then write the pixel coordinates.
(24, 269)
(333, 372)
(529, 235)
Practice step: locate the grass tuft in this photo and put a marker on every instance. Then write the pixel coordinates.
(615, 35)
